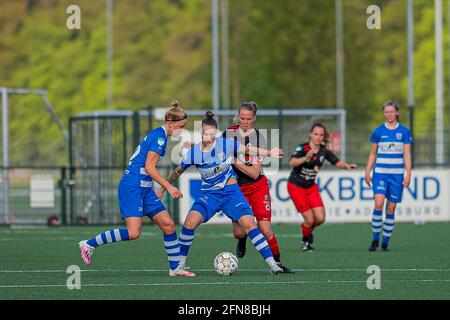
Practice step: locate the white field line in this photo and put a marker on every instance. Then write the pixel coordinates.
(240, 270)
(213, 283)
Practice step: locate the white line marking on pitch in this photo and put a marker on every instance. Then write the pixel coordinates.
(240, 270)
(210, 283)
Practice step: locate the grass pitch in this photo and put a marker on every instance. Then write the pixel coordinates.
(34, 264)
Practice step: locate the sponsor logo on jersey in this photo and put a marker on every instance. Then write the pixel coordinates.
(161, 141)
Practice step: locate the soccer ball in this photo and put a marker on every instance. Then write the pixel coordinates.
(225, 263)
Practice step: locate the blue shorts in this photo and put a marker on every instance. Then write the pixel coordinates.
(138, 202)
(390, 185)
(229, 199)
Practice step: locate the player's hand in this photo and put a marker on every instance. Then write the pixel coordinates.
(310, 155)
(276, 153)
(160, 193)
(174, 192)
(368, 179)
(351, 166)
(406, 180)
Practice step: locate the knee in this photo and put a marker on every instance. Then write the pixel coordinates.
(309, 221)
(134, 234)
(319, 221)
(391, 209)
(168, 228)
(378, 207)
(239, 233)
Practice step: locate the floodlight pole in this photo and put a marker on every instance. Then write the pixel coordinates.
(340, 85)
(109, 51)
(439, 82)
(411, 71)
(215, 53)
(5, 140)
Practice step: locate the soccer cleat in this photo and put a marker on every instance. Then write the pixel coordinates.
(241, 247)
(384, 247)
(307, 246)
(86, 251)
(285, 269)
(374, 245)
(275, 269)
(181, 272)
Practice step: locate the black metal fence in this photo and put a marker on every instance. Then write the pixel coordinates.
(62, 195)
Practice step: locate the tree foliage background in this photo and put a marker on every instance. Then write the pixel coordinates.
(282, 53)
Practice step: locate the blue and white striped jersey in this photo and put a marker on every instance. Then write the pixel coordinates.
(390, 148)
(214, 166)
(135, 174)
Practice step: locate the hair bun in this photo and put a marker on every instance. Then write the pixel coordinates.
(209, 115)
(175, 104)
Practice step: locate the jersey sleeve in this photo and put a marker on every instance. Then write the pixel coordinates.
(331, 157)
(299, 152)
(156, 143)
(375, 137)
(187, 160)
(407, 138)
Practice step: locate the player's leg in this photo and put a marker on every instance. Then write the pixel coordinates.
(203, 209)
(379, 185)
(388, 225)
(155, 210)
(241, 237)
(307, 228)
(266, 230)
(236, 207)
(259, 242)
(301, 202)
(319, 216)
(192, 221)
(130, 200)
(377, 221)
(317, 208)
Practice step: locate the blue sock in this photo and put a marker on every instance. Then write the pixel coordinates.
(260, 244)
(377, 222)
(186, 238)
(113, 235)
(388, 227)
(172, 247)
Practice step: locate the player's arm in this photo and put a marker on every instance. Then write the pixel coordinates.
(344, 165)
(150, 168)
(173, 176)
(298, 161)
(252, 171)
(370, 163)
(408, 164)
(276, 153)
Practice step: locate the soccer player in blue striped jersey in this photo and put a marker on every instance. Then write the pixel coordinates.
(390, 152)
(137, 198)
(219, 190)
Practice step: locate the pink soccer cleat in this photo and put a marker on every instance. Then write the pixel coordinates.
(180, 272)
(86, 251)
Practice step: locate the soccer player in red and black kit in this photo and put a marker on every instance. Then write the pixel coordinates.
(252, 181)
(306, 162)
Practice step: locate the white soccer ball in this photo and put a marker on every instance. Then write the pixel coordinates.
(225, 263)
